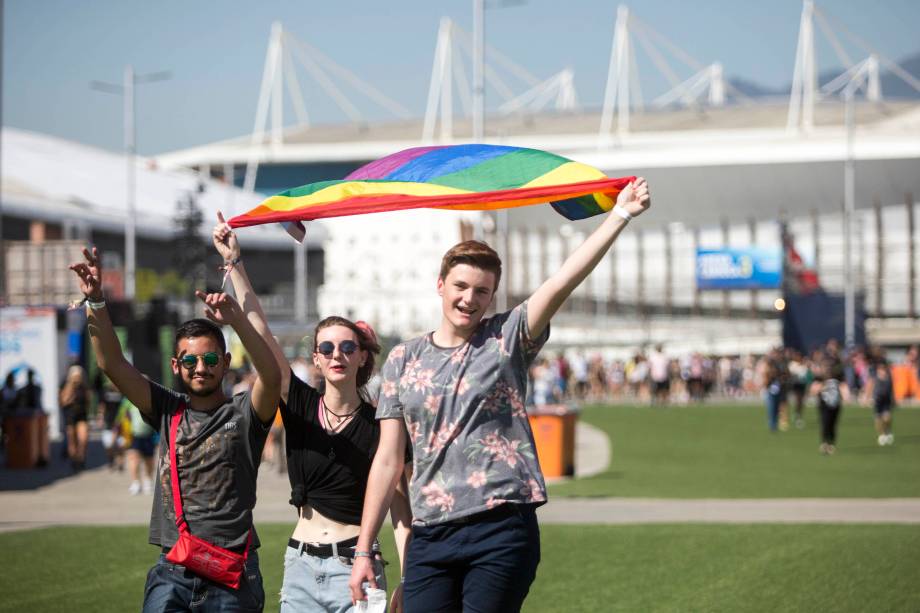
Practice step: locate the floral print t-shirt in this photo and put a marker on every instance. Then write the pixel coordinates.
(464, 412)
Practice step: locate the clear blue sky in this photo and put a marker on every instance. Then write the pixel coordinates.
(215, 49)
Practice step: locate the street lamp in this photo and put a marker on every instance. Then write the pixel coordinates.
(126, 90)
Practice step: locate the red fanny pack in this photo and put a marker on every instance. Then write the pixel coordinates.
(198, 555)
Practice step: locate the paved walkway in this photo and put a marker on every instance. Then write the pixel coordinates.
(98, 496)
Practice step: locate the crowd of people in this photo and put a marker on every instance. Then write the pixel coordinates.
(832, 377)
(784, 377)
(645, 377)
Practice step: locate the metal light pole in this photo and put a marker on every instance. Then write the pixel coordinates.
(126, 90)
(849, 197)
(479, 87)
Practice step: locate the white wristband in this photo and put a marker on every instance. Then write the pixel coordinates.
(95, 305)
(622, 212)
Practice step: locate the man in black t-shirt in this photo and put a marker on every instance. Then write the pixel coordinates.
(218, 444)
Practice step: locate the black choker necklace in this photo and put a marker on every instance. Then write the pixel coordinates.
(341, 417)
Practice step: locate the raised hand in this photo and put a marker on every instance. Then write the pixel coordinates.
(225, 239)
(89, 273)
(635, 197)
(220, 308)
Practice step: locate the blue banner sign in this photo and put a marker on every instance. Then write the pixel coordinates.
(739, 268)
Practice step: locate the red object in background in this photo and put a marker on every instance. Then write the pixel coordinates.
(804, 279)
(113, 284)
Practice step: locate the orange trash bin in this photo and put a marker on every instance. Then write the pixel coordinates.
(553, 429)
(27, 444)
(904, 382)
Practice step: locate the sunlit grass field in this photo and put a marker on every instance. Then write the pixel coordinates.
(584, 568)
(705, 451)
(726, 451)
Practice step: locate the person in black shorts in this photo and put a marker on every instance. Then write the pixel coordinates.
(882, 401)
(107, 412)
(74, 398)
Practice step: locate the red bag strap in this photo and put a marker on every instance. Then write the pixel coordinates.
(181, 524)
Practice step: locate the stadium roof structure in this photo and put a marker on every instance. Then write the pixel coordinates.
(705, 165)
(711, 152)
(50, 179)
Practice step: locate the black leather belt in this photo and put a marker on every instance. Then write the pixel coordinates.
(343, 549)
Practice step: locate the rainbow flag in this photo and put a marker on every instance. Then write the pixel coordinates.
(457, 177)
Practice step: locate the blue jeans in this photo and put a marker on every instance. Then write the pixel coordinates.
(319, 584)
(173, 588)
(484, 564)
(772, 399)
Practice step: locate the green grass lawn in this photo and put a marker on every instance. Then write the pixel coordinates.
(584, 568)
(726, 451)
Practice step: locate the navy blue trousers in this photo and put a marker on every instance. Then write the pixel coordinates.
(486, 564)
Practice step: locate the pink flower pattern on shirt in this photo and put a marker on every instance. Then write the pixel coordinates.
(388, 388)
(441, 437)
(493, 502)
(502, 397)
(423, 381)
(532, 491)
(412, 429)
(477, 479)
(410, 373)
(432, 403)
(500, 448)
(436, 496)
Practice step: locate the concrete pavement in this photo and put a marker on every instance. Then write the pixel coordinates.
(98, 496)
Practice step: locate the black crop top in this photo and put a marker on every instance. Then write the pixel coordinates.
(327, 471)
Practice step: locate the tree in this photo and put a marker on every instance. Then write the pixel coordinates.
(189, 249)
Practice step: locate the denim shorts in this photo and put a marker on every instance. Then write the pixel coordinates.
(318, 584)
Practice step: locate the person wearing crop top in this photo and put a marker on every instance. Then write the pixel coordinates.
(331, 439)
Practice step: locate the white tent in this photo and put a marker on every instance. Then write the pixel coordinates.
(50, 179)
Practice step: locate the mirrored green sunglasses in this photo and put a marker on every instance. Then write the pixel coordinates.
(190, 360)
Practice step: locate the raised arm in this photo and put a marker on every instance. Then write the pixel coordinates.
(544, 302)
(106, 347)
(229, 249)
(223, 309)
(381, 482)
